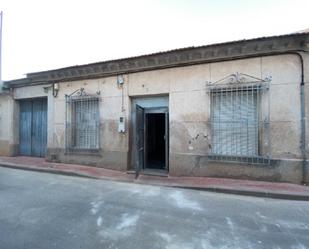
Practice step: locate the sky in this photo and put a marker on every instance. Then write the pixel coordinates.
(40, 35)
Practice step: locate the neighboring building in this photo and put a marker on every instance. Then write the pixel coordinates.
(235, 109)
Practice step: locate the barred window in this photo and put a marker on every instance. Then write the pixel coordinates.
(235, 122)
(82, 123)
(239, 120)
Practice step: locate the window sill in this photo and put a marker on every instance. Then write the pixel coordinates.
(250, 160)
(83, 152)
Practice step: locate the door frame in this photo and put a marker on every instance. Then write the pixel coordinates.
(146, 102)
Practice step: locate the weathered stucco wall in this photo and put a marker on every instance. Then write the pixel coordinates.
(114, 146)
(189, 114)
(8, 123)
(189, 111)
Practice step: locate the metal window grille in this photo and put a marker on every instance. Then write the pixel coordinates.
(237, 121)
(82, 122)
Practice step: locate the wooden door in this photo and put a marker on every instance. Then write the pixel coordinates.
(25, 121)
(33, 127)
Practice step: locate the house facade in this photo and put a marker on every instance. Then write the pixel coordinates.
(236, 109)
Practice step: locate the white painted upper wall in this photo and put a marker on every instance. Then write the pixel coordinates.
(30, 92)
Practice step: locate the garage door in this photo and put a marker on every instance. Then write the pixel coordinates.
(33, 127)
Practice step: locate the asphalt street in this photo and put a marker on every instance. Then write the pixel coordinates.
(40, 210)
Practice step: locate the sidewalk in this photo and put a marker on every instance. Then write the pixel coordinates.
(223, 185)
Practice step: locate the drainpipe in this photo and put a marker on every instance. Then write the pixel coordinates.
(303, 119)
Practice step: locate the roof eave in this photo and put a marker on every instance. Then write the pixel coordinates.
(169, 59)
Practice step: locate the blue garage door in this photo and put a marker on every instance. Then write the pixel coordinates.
(33, 127)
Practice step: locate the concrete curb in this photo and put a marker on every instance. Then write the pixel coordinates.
(59, 172)
(44, 170)
(252, 193)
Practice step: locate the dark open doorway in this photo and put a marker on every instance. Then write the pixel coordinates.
(155, 140)
(152, 144)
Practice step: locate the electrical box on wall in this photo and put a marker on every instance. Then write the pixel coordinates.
(121, 124)
(120, 80)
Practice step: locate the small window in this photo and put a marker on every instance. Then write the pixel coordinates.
(82, 123)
